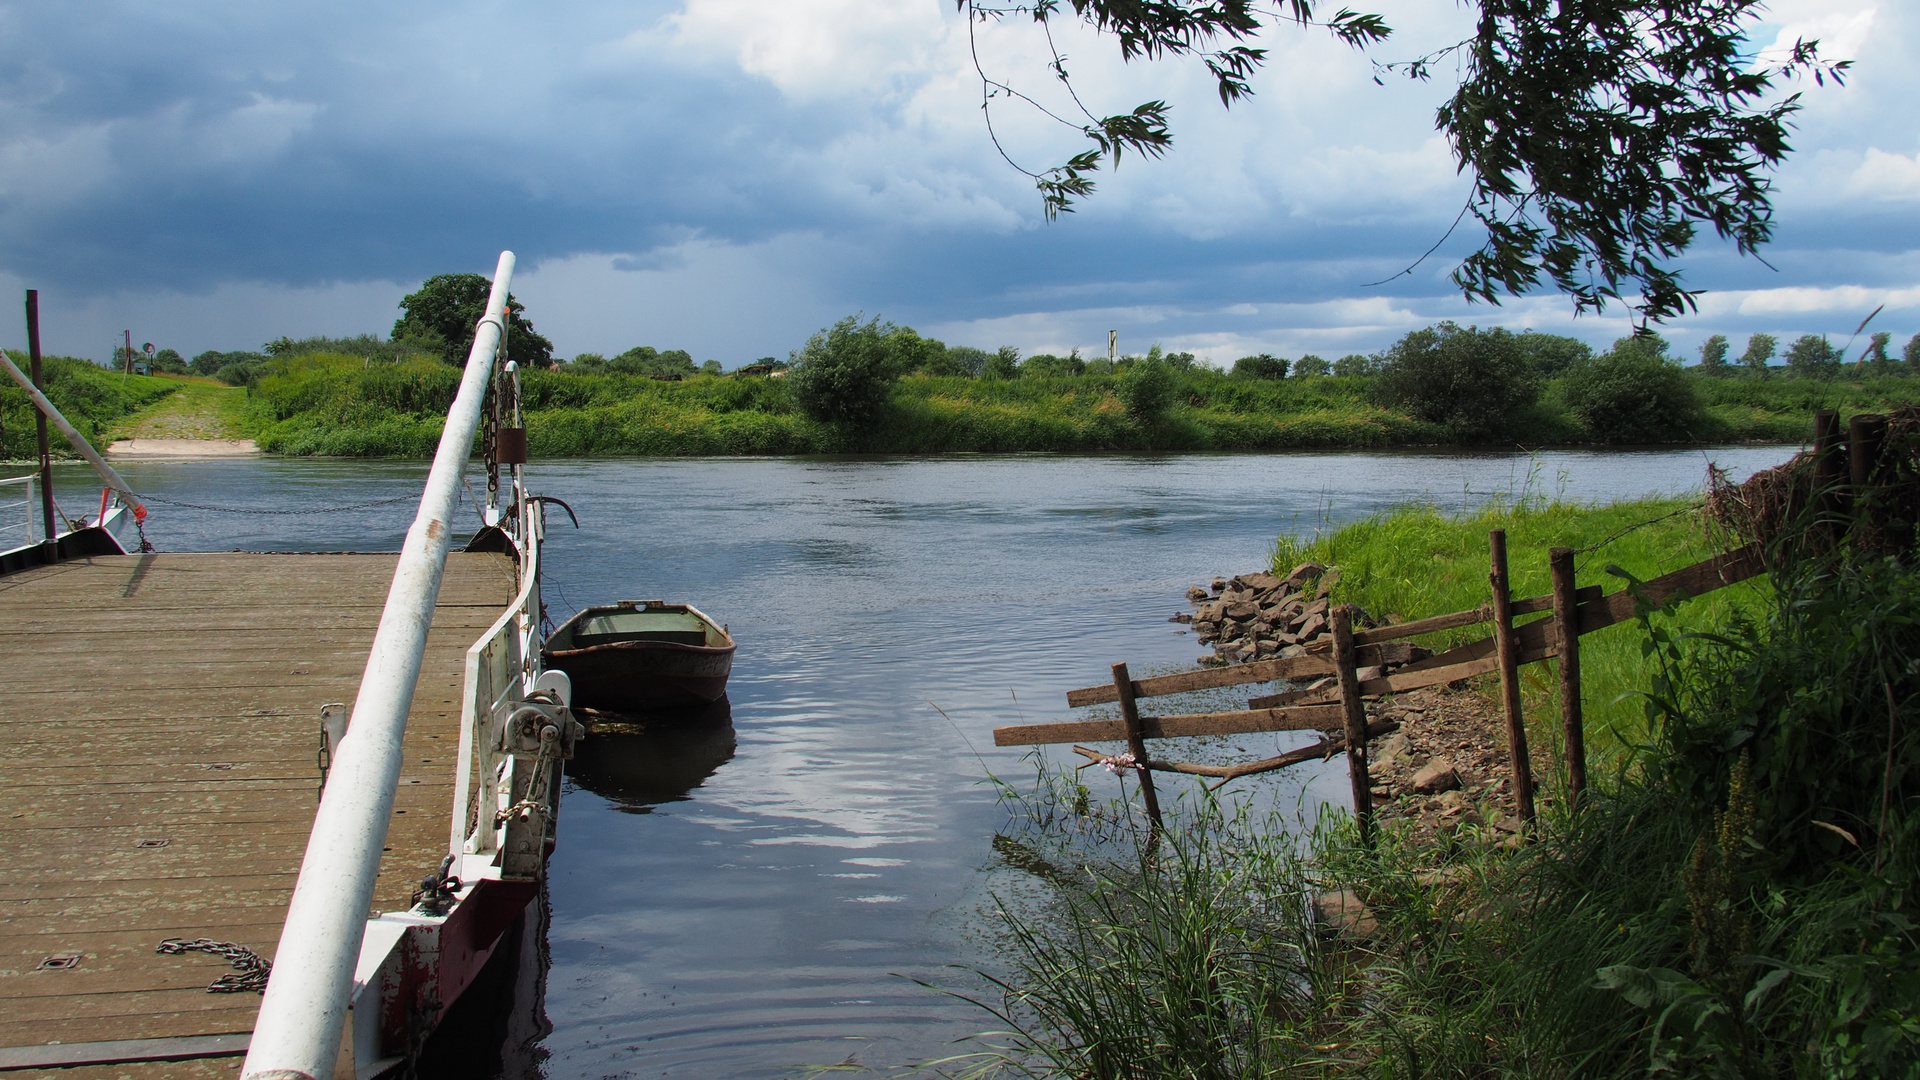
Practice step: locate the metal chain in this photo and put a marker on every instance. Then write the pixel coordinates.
(324, 758)
(250, 969)
(280, 513)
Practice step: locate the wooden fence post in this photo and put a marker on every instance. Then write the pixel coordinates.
(1509, 654)
(1566, 615)
(1136, 743)
(1356, 710)
(1829, 475)
(1866, 442)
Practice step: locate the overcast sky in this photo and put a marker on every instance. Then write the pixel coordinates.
(727, 176)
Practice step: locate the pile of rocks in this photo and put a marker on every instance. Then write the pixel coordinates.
(1447, 765)
(1254, 616)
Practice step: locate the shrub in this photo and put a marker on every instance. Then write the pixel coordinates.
(1147, 389)
(1046, 365)
(1713, 355)
(1356, 366)
(651, 362)
(1810, 356)
(1470, 381)
(962, 360)
(210, 362)
(1263, 366)
(1552, 355)
(1004, 364)
(846, 372)
(1633, 394)
(1760, 348)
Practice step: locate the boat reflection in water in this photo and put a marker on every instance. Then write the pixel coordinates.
(639, 762)
(635, 763)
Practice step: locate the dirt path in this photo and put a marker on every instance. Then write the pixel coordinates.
(199, 420)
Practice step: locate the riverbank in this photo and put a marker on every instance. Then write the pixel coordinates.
(1733, 897)
(344, 406)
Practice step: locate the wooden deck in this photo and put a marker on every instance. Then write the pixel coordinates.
(161, 721)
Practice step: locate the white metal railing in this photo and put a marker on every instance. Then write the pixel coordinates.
(301, 1018)
(502, 668)
(18, 528)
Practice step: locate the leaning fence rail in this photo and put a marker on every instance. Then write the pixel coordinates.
(298, 1031)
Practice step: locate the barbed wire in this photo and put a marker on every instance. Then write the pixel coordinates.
(1636, 527)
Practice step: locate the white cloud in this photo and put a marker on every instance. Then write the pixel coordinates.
(1886, 177)
(817, 48)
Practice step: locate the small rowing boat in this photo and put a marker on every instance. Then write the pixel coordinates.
(642, 655)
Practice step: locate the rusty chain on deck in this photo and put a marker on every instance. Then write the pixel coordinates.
(250, 969)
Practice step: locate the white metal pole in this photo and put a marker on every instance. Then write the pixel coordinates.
(79, 441)
(297, 1034)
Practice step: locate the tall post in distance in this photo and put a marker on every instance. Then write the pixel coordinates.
(1510, 675)
(1566, 616)
(1356, 717)
(40, 418)
(1113, 346)
(1136, 742)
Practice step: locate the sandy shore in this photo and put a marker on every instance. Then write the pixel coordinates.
(182, 449)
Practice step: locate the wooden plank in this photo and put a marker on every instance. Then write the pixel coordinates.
(1422, 626)
(1398, 683)
(1696, 580)
(1316, 718)
(1284, 667)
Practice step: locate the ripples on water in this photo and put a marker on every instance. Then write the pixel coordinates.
(745, 902)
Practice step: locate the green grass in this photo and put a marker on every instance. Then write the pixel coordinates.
(1416, 562)
(92, 399)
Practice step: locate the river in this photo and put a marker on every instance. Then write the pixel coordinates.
(771, 915)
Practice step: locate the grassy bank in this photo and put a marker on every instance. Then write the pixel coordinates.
(1416, 562)
(1738, 900)
(92, 399)
(347, 406)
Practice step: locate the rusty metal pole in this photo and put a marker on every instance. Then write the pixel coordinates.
(1356, 717)
(1136, 742)
(1509, 650)
(40, 418)
(1566, 616)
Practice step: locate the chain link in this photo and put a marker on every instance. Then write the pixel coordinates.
(250, 969)
(324, 758)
